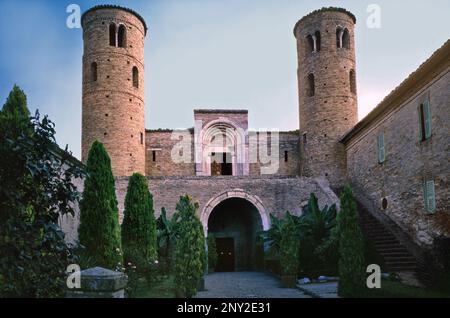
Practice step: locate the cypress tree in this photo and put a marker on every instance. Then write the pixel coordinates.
(99, 230)
(351, 248)
(190, 254)
(15, 113)
(139, 225)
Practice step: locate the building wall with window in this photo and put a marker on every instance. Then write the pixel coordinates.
(398, 157)
(161, 145)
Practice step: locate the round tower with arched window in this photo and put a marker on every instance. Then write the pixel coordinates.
(113, 86)
(327, 90)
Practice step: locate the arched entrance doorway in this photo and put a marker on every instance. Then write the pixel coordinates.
(235, 218)
(236, 224)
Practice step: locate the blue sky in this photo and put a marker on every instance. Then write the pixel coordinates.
(210, 54)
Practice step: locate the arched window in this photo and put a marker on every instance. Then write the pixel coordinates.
(318, 41)
(122, 36)
(311, 85)
(309, 44)
(346, 39)
(112, 35)
(135, 77)
(339, 34)
(352, 82)
(94, 71)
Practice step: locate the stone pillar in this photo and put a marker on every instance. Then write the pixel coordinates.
(99, 282)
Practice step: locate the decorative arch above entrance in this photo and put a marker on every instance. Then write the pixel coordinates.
(236, 193)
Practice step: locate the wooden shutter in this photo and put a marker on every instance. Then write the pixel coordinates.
(430, 197)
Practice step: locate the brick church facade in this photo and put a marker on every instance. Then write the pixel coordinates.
(396, 158)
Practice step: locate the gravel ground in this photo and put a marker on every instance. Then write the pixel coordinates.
(246, 285)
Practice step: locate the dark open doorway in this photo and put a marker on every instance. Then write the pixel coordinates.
(221, 164)
(236, 224)
(225, 253)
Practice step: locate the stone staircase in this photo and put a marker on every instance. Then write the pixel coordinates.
(397, 258)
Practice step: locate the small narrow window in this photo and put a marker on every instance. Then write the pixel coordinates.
(311, 85)
(154, 156)
(429, 196)
(122, 36)
(135, 77)
(94, 71)
(339, 34)
(309, 44)
(142, 138)
(346, 39)
(352, 81)
(286, 156)
(112, 35)
(304, 139)
(424, 121)
(381, 148)
(318, 41)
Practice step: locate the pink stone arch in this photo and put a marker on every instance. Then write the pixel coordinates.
(236, 193)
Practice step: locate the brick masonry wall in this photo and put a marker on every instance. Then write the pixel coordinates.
(161, 142)
(288, 141)
(278, 194)
(332, 111)
(409, 162)
(113, 109)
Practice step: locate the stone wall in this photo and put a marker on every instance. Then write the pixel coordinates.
(409, 162)
(162, 143)
(277, 194)
(289, 164)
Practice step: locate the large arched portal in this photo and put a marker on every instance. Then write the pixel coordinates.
(236, 224)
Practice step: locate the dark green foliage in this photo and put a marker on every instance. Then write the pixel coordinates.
(289, 246)
(99, 231)
(166, 240)
(35, 189)
(316, 227)
(190, 253)
(351, 248)
(212, 252)
(437, 263)
(138, 227)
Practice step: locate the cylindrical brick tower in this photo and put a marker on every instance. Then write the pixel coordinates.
(113, 86)
(327, 90)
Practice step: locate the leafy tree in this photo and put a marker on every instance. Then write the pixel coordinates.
(138, 227)
(316, 227)
(99, 231)
(36, 189)
(212, 251)
(190, 254)
(351, 248)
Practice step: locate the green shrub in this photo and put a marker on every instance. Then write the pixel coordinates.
(190, 254)
(351, 248)
(316, 227)
(165, 241)
(212, 252)
(138, 227)
(289, 246)
(35, 189)
(99, 231)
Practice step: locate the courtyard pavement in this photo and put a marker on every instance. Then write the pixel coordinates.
(246, 285)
